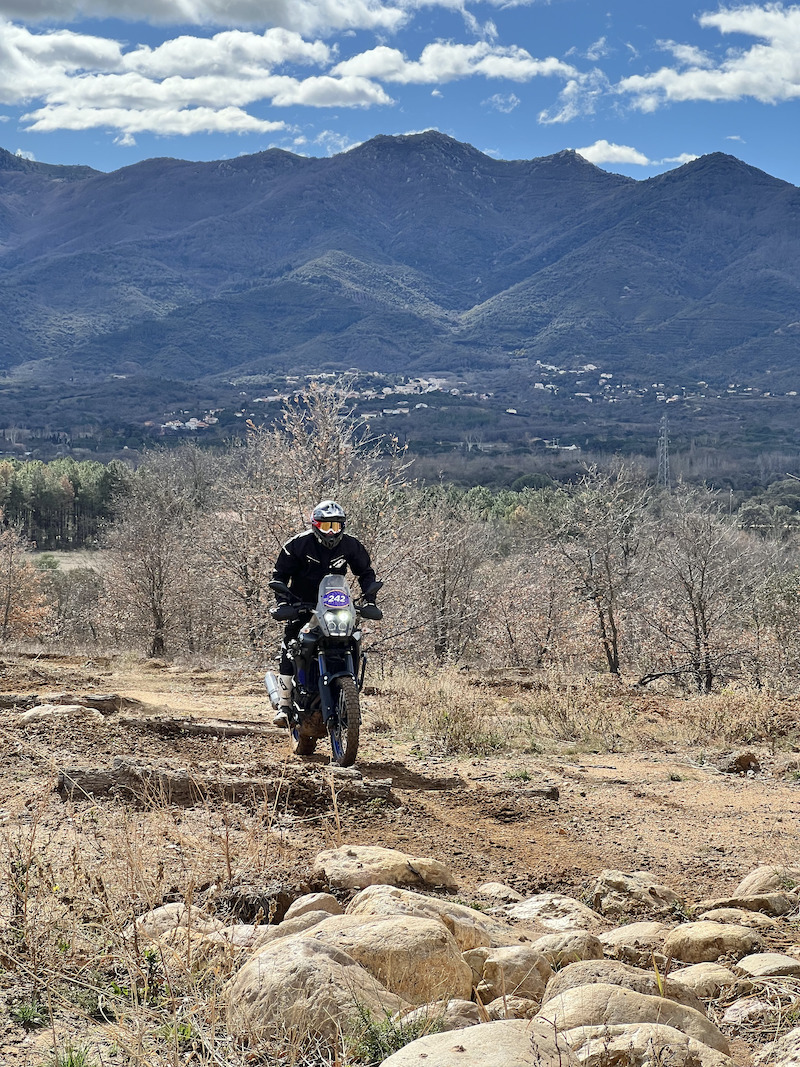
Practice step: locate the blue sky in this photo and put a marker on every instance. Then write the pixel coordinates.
(638, 88)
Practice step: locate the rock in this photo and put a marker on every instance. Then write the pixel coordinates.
(749, 1011)
(415, 957)
(704, 942)
(470, 928)
(636, 943)
(512, 1008)
(300, 988)
(514, 971)
(785, 1052)
(776, 903)
(642, 1045)
(512, 1042)
(569, 947)
(314, 902)
(768, 879)
(612, 972)
(153, 924)
(498, 892)
(707, 980)
(264, 935)
(740, 917)
(769, 965)
(454, 1015)
(357, 866)
(611, 1005)
(475, 959)
(555, 912)
(618, 893)
(44, 712)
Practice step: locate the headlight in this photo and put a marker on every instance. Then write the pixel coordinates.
(337, 623)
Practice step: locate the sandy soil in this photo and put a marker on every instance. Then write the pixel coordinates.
(698, 829)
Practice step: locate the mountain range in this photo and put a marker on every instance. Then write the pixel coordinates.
(410, 255)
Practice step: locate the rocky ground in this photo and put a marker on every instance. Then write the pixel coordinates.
(205, 800)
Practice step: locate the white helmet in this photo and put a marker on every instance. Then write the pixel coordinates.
(327, 522)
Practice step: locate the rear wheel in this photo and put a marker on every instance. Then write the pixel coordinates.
(344, 730)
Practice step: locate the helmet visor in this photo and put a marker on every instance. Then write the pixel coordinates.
(329, 525)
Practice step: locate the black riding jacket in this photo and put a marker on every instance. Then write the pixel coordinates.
(303, 562)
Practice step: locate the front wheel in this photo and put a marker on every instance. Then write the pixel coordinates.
(345, 726)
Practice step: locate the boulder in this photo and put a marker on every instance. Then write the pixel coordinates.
(470, 928)
(299, 988)
(357, 866)
(769, 965)
(512, 1042)
(785, 1052)
(619, 893)
(768, 878)
(555, 913)
(569, 947)
(313, 902)
(707, 980)
(263, 935)
(475, 959)
(641, 1045)
(740, 917)
(612, 972)
(45, 712)
(636, 943)
(499, 893)
(153, 924)
(512, 1008)
(454, 1015)
(775, 903)
(611, 1005)
(518, 970)
(704, 942)
(413, 956)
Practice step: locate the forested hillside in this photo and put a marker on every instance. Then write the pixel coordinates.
(605, 573)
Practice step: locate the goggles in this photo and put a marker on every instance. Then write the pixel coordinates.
(329, 525)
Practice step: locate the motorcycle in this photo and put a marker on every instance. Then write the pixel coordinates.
(329, 667)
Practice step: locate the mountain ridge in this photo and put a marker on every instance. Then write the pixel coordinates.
(411, 253)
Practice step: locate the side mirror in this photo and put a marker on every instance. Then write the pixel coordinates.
(371, 611)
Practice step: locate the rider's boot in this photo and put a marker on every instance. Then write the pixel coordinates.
(285, 703)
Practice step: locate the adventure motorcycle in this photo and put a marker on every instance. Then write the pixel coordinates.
(328, 666)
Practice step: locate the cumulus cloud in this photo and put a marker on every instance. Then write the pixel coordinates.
(25, 155)
(603, 151)
(160, 120)
(768, 71)
(444, 61)
(606, 152)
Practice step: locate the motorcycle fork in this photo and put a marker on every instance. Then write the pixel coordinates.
(325, 679)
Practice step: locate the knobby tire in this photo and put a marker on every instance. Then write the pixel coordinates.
(344, 733)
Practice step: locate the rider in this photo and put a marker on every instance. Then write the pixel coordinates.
(302, 563)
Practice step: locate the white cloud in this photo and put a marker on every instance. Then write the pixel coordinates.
(304, 16)
(444, 61)
(25, 155)
(735, 137)
(578, 97)
(606, 152)
(233, 52)
(598, 50)
(333, 143)
(506, 104)
(165, 121)
(768, 71)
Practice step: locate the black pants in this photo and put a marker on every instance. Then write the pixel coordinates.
(290, 632)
